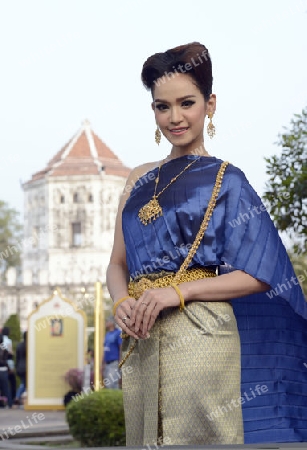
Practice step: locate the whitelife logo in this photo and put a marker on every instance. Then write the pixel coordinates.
(11, 431)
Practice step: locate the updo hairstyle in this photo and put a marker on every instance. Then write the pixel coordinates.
(192, 59)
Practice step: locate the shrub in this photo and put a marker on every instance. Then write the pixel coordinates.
(96, 419)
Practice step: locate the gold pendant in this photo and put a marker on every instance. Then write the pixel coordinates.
(151, 211)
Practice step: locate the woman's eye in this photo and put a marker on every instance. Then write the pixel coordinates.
(187, 103)
(161, 107)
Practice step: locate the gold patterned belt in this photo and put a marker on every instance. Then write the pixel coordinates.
(164, 279)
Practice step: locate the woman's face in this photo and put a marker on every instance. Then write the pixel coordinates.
(180, 111)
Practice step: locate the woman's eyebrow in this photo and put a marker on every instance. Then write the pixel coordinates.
(177, 99)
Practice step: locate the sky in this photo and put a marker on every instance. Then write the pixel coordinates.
(64, 61)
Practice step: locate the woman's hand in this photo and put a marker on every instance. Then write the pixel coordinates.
(148, 307)
(122, 316)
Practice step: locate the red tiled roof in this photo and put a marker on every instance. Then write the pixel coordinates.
(84, 154)
(102, 150)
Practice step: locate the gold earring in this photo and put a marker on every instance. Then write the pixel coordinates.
(210, 126)
(158, 135)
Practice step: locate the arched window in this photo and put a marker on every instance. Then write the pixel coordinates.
(76, 197)
(76, 235)
(90, 198)
(62, 199)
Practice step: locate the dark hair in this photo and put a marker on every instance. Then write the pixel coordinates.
(5, 331)
(193, 57)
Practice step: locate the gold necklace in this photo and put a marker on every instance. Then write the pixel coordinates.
(152, 210)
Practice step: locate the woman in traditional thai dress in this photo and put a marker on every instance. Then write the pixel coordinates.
(194, 262)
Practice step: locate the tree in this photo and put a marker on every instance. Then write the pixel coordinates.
(10, 234)
(300, 266)
(286, 190)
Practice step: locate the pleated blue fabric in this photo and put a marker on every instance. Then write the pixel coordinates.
(240, 236)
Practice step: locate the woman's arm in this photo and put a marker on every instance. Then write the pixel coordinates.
(222, 288)
(117, 275)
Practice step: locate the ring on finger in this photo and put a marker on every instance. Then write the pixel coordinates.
(124, 319)
(143, 303)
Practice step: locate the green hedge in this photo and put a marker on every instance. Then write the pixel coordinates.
(97, 419)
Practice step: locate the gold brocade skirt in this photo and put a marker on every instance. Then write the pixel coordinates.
(182, 385)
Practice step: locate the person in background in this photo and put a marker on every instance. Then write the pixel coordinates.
(74, 377)
(4, 379)
(112, 350)
(21, 368)
(7, 342)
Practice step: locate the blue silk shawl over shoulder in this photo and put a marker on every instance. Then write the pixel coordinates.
(240, 235)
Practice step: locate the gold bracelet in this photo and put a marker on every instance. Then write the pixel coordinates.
(118, 303)
(181, 307)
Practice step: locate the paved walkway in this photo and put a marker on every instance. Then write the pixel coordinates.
(20, 429)
(30, 422)
(20, 424)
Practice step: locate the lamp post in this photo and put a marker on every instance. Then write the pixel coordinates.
(99, 322)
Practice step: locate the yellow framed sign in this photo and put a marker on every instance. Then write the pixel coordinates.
(56, 342)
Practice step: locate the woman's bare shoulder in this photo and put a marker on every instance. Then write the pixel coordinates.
(141, 170)
(146, 167)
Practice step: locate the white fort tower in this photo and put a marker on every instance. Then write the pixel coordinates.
(69, 218)
(70, 209)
